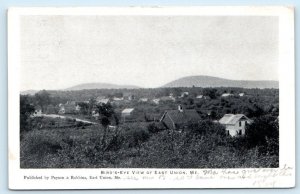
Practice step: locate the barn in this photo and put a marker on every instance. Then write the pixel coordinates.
(178, 119)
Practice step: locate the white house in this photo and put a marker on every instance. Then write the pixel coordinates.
(103, 101)
(226, 95)
(202, 97)
(118, 99)
(37, 113)
(77, 108)
(156, 100)
(235, 124)
(143, 100)
(95, 114)
(241, 94)
(184, 94)
(127, 112)
(62, 109)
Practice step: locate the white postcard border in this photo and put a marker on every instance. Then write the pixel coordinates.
(284, 176)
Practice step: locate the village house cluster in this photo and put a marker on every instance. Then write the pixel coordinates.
(177, 119)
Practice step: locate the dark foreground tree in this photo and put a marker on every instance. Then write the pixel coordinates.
(26, 110)
(106, 114)
(211, 92)
(84, 107)
(264, 133)
(42, 98)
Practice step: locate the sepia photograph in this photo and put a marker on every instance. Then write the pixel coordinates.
(149, 91)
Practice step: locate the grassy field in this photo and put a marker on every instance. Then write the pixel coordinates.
(139, 145)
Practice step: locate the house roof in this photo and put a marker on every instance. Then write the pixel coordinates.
(180, 117)
(117, 99)
(227, 94)
(100, 98)
(231, 119)
(104, 101)
(127, 110)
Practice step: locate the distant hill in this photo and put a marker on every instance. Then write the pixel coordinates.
(209, 81)
(29, 92)
(89, 86)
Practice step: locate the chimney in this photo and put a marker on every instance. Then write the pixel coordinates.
(180, 108)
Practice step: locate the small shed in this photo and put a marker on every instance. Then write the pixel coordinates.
(127, 113)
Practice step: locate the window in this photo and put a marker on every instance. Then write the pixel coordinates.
(227, 132)
(240, 123)
(240, 132)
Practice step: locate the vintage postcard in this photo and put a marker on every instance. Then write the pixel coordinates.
(151, 97)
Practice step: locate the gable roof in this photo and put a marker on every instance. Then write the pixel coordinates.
(182, 117)
(99, 98)
(103, 101)
(127, 110)
(231, 119)
(118, 99)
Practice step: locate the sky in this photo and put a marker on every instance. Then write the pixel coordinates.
(58, 52)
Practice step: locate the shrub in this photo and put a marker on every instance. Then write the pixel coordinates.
(36, 145)
(155, 127)
(264, 131)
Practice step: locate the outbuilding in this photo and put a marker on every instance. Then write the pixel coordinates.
(178, 119)
(127, 113)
